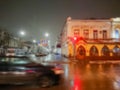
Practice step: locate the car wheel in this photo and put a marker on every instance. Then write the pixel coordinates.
(45, 81)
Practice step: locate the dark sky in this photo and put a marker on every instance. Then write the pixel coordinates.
(39, 16)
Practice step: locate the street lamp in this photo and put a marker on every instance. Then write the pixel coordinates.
(22, 33)
(46, 34)
(34, 41)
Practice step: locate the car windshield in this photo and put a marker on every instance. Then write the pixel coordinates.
(15, 60)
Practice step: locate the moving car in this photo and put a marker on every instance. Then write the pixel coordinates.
(20, 53)
(10, 52)
(15, 52)
(24, 70)
(40, 54)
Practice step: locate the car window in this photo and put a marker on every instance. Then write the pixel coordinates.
(15, 60)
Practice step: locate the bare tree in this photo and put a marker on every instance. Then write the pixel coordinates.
(4, 38)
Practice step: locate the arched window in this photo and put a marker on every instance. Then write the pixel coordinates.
(116, 34)
(81, 51)
(93, 51)
(116, 51)
(105, 51)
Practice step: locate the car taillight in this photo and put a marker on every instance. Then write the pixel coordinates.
(30, 71)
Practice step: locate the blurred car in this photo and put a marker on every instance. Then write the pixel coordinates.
(40, 54)
(24, 70)
(10, 52)
(20, 53)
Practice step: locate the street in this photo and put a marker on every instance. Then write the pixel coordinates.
(78, 76)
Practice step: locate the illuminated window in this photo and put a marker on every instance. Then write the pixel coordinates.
(116, 34)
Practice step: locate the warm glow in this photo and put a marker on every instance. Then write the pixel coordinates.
(75, 38)
(116, 19)
(77, 83)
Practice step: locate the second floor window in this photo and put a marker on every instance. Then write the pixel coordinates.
(86, 33)
(104, 34)
(76, 32)
(95, 34)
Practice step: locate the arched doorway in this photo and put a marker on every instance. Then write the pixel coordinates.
(81, 52)
(105, 51)
(116, 51)
(93, 51)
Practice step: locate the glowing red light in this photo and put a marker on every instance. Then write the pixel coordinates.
(77, 83)
(75, 38)
(30, 71)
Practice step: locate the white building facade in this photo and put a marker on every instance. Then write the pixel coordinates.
(94, 37)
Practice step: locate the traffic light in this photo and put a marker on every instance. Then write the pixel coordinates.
(75, 38)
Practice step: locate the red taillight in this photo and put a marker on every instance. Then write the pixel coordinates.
(30, 71)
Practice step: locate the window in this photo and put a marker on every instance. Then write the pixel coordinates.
(116, 34)
(104, 34)
(95, 34)
(76, 32)
(116, 51)
(86, 33)
(93, 51)
(105, 51)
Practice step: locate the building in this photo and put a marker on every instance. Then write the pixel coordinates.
(89, 38)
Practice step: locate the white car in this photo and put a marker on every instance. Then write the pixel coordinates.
(10, 52)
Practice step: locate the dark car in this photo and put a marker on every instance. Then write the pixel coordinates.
(24, 70)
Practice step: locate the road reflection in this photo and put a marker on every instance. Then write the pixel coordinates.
(93, 76)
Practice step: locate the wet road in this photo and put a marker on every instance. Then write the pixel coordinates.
(78, 76)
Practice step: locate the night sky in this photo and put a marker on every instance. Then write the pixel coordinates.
(36, 17)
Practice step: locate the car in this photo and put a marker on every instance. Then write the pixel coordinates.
(10, 52)
(40, 54)
(20, 53)
(24, 70)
